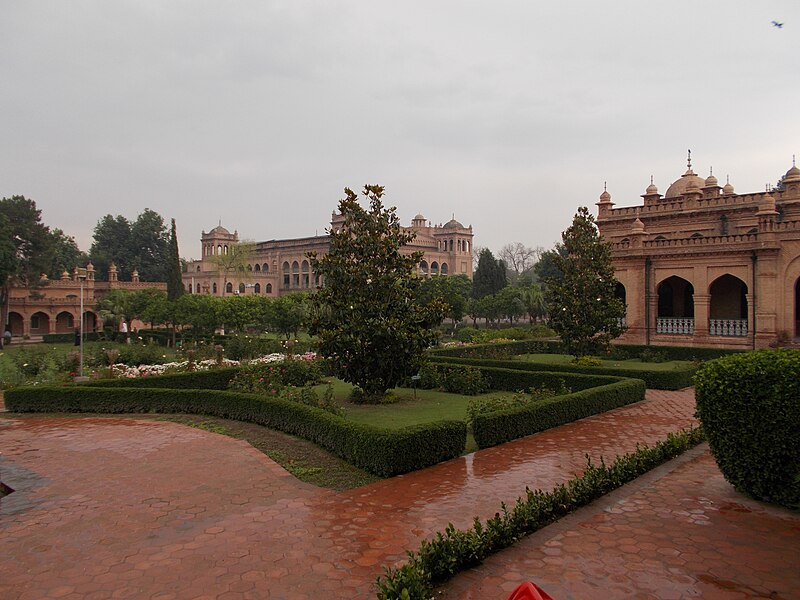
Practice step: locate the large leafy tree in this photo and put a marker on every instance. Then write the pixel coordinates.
(65, 254)
(25, 244)
(454, 290)
(583, 308)
(141, 244)
(370, 328)
(490, 276)
(234, 261)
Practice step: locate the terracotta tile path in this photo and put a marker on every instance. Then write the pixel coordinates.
(119, 508)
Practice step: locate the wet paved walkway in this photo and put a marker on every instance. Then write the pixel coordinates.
(118, 508)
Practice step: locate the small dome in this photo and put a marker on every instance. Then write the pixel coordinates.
(453, 224)
(792, 174)
(638, 226)
(419, 217)
(220, 229)
(605, 196)
(727, 189)
(651, 189)
(711, 181)
(688, 180)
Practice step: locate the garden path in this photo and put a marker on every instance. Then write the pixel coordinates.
(119, 508)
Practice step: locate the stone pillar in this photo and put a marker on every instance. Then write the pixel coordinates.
(702, 305)
(51, 323)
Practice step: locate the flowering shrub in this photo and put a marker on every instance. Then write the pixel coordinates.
(272, 377)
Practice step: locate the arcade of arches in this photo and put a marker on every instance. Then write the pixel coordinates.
(282, 266)
(704, 266)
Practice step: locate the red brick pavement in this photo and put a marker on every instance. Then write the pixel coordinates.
(679, 532)
(113, 508)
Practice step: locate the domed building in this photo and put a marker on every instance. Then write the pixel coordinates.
(279, 267)
(704, 266)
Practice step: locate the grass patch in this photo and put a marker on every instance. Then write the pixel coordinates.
(631, 363)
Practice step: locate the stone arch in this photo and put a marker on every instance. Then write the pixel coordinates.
(295, 274)
(198, 288)
(675, 298)
(265, 267)
(257, 268)
(65, 322)
(728, 298)
(444, 268)
(304, 271)
(434, 268)
(268, 289)
(214, 288)
(242, 288)
(423, 267)
(15, 323)
(89, 321)
(257, 288)
(696, 236)
(229, 288)
(198, 268)
(40, 323)
(286, 275)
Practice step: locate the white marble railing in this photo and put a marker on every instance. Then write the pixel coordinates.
(675, 325)
(728, 327)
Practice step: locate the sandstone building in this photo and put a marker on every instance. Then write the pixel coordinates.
(55, 306)
(279, 267)
(704, 266)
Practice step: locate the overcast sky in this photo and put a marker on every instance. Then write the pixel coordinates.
(510, 114)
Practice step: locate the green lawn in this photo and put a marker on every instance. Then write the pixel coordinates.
(631, 363)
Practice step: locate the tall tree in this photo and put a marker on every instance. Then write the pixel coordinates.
(546, 268)
(370, 329)
(112, 244)
(25, 244)
(234, 261)
(519, 259)
(584, 310)
(454, 290)
(490, 276)
(65, 254)
(141, 244)
(174, 281)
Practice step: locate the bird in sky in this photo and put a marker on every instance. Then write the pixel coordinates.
(778, 25)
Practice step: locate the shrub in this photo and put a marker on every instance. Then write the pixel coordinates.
(653, 356)
(270, 378)
(384, 452)
(213, 379)
(484, 405)
(587, 361)
(454, 550)
(749, 405)
(240, 347)
(467, 381)
(308, 395)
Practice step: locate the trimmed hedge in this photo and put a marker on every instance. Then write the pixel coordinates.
(455, 550)
(750, 408)
(212, 379)
(60, 338)
(658, 380)
(503, 426)
(557, 347)
(384, 452)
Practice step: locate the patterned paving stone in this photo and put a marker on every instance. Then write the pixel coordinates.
(108, 508)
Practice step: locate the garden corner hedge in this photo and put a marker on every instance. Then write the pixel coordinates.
(675, 379)
(749, 405)
(384, 452)
(212, 379)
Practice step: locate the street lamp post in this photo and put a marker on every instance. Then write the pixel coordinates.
(80, 377)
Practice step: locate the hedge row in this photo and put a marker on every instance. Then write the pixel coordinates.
(60, 338)
(557, 347)
(502, 426)
(675, 379)
(455, 550)
(212, 379)
(384, 452)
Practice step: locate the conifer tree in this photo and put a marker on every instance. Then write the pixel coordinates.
(582, 305)
(174, 281)
(490, 276)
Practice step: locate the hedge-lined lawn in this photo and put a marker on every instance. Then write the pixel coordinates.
(631, 363)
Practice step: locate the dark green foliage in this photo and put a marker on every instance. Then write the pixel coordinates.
(489, 404)
(370, 329)
(583, 308)
(653, 356)
(240, 346)
(269, 378)
(384, 452)
(141, 244)
(455, 550)
(173, 267)
(64, 254)
(749, 405)
(60, 338)
(490, 276)
(502, 426)
(453, 290)
(462, 380)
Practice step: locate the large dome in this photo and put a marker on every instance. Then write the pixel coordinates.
(679, 187)
(220, 229)
(453, 224)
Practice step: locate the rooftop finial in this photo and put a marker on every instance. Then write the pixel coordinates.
(710, 170)
(727, 178)
(794, 165)
(689, 160)
(651, 180)
(604, 186)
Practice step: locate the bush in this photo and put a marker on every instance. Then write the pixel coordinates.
(213, 379)
(454, 550)
(466, 381)
(271, 378)
(480, 406)
(384, 452)
(586, 361)
(240, 347)
(503, 426)
(653, 356)
(749, 405)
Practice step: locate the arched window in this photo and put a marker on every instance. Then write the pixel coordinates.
(198, 268)
(241, 288)
(423, 267)
(295, 274)
(444, 268)
(258, 268)
(219, 249)
(304, 271)
(229, 288)
(249, 267)
(451, 245)
(696, 236)
(214, 289)
(286, 274)
(265, 268)
(269, 288)
(257, 288)
(198, 288)
(435, 267)
(225, 249)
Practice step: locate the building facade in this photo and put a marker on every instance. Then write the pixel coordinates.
(278, 267)
(704, 266)
(55, 305)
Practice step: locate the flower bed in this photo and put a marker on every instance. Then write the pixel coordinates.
(122, 371)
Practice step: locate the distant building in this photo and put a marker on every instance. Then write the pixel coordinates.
(282, 266)
(55, 306)
(704, 266)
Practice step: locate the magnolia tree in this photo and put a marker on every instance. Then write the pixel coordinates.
(369, 326)
(583, 307)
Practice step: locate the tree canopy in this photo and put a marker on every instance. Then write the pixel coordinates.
(142, 244)
(369, 326)
(490, 276)
(583, 308)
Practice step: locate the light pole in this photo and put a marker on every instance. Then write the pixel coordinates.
(81, 278)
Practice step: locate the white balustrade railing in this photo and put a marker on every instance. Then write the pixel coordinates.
(675, 325)
(728, 327)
